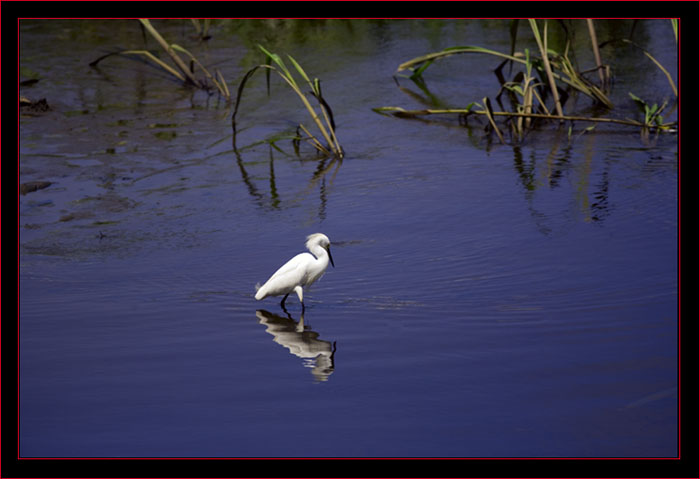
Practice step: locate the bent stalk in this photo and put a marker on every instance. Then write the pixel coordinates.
(327, 130)
(400, 112)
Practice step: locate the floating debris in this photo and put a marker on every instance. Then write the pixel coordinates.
(30, 186)
(33, 106)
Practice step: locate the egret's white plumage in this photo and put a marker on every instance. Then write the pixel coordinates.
(302, 270)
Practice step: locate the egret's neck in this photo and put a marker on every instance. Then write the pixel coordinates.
(320, 253)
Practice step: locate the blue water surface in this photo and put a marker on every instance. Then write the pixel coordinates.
(487, 301)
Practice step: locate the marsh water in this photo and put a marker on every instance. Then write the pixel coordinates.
(487, 300)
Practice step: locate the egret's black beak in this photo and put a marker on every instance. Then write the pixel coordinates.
(329, 256)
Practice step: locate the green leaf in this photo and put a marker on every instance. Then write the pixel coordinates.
(516, 88)
(419, 71)
(300, 69)
(277, 60)
(641, 104)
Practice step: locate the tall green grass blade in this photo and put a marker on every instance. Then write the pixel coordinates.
(290, 81)
(301, 71)
(278, 61)
(315, 86)
(286, 75)
(325, 108)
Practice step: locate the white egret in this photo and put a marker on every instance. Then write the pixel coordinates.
(302, 270)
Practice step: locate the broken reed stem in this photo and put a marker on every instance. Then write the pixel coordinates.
(489, 114)
(310, 109)
(151, 57)
(405, 113)
(286, 75)
(542, 44)
(335, 145)
(596, 51)
(175, 57)
(314, 141)
(220, 83)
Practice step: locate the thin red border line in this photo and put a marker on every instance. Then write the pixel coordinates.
(678, 457)
(383, 458)
(330, 458)
(344, 18)
(678, 222)
(18, 220)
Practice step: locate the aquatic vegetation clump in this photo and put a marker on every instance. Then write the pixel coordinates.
(181, 71)
(323, 118)
(547, 76)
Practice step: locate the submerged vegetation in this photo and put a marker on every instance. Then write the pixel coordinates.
(548, 76)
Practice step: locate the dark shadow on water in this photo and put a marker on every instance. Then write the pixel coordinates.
(589, 179)
(301, 341)
(325, 165)
(252, 190)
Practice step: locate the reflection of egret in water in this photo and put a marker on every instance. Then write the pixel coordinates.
(301, 341)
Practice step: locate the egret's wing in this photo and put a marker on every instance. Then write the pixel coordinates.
(291, 265)
(287, 277)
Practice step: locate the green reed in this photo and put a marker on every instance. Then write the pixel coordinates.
(322, 118)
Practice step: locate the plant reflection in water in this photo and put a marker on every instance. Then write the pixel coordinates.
(301, 341)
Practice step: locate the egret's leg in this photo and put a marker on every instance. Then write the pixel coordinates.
(300, 293)
(283, 300)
